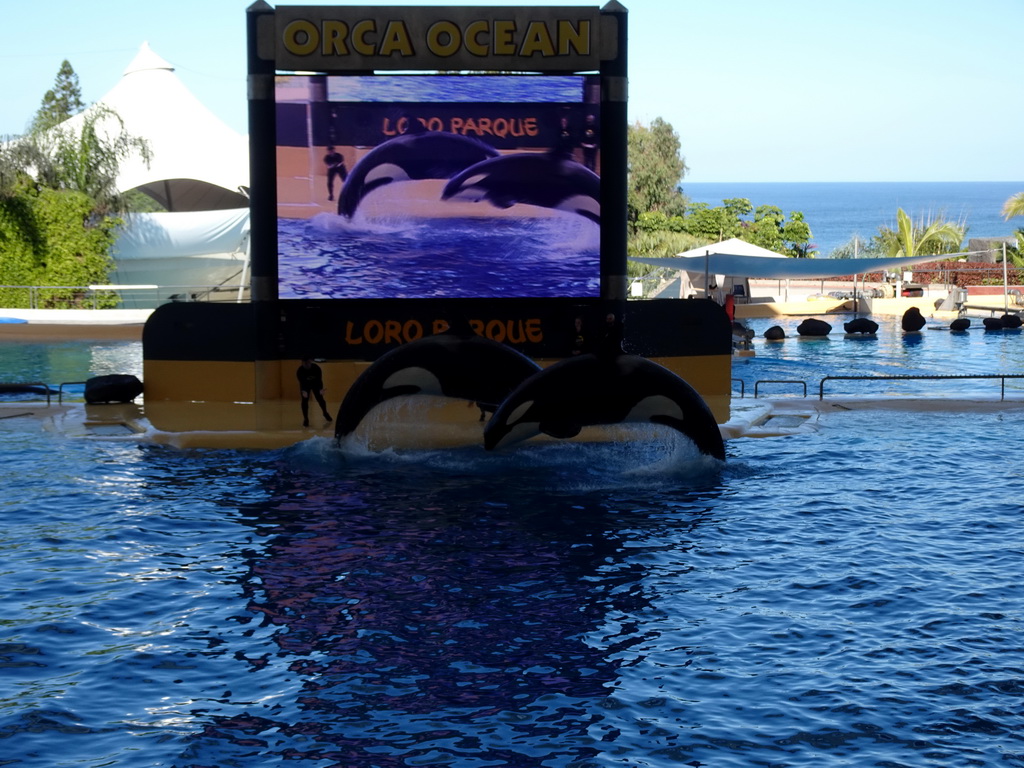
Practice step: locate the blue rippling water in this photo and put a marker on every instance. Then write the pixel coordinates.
(831, 599)
(427, 258)
(845, 596)
(781, 368)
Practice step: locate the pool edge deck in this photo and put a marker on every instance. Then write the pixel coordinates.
(750, 418)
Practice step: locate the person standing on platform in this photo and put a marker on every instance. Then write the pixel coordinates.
(612, 337)
(589, 142)
(335, 167)
(311, 381)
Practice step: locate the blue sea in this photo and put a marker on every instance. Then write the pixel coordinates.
(844, 595)
(838, 211)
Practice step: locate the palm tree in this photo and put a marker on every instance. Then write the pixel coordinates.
(1014, 206)
(909, 239)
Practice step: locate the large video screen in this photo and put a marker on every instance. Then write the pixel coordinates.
(434, 186)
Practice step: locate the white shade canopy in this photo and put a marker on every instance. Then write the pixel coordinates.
(198, 162)
(736, 257)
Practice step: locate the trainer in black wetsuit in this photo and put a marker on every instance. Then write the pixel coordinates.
(610, 344)
(335, 167)
(311, 379)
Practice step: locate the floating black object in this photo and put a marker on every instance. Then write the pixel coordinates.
(739, 330)
(960, 324)
(814, 327)
(913, 320)
(992, 323)
(775, 333)
(114, 388)
(1011, 321)
(861, 325)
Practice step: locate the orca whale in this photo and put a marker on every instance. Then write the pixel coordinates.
(411, 156)
(450, 365)
(590, 390)
(549, 180)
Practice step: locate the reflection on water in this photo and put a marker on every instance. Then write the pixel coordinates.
(431, 621)
(54, 363)
(849, 595)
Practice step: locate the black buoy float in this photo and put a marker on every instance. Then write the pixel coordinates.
(913, 320)
(814, 327)
(861, 325)
(1010, 320)
(114, 388)
(960, 324)
(775, 333)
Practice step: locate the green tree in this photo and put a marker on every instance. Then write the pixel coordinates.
(797, 233)
(737, 207)
(12, 169)
(766, 231)
(60, 102)
(58, 206)
(656, 170)
(85, 157)
(857, 248)
(50, 237)
(711, 225)
(769, 229)
(1014, 206)
(909, 239)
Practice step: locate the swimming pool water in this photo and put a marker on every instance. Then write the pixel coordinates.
(935, 351)
(844, 596)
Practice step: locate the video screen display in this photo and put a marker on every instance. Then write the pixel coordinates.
(434, 186)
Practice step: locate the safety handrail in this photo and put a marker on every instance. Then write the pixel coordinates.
(779, 381)
(88, 296)
(44, 385)
(743, 386)
(60, 389)
(925, 377)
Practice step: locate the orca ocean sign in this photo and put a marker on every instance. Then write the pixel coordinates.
(312, 38)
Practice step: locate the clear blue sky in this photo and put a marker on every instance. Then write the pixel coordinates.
(792, 90)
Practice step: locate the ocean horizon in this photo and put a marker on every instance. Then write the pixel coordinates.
(839, 210)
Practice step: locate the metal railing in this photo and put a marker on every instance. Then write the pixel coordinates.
(60, 389)
(926, 377)
(90, 296)
(1002, 377)
(27, 387)
(44, 389)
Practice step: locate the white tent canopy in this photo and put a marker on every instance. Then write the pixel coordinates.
(155, 235)
(184, 252)
(198, 171)
(736, 257)
(198, 162)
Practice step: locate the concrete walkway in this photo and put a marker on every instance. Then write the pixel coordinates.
(60, 324)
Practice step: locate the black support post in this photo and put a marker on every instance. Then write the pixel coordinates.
(614, 160)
